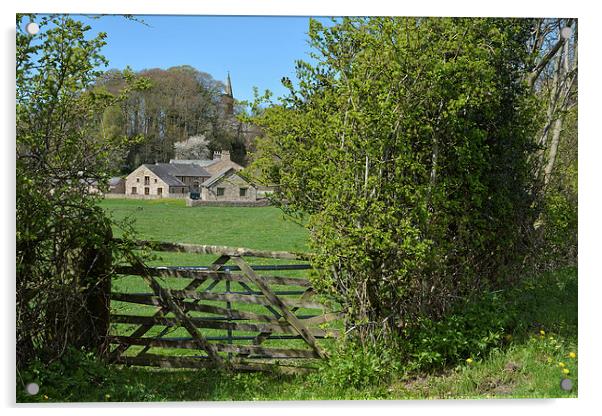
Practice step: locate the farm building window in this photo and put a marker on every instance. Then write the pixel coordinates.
(137, 179)
(147, 191)
(134, 190)
(147, 180)
(242, 192)
(159, 191)
(220, 191)
(155, 180)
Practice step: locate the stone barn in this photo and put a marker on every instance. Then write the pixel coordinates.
(228, 185)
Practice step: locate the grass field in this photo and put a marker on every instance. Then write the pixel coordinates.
(170, 220)
(529, 364)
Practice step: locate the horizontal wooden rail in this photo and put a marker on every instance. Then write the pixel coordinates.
(151, 299)
(220, 250)
(231, 348)
(281, 327)
(201, 362)
(208, 274)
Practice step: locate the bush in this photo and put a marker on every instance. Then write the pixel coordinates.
(352, 365)
(407, 146)
(470, 331)
(559, 221)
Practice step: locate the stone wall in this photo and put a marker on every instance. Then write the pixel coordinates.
(124, 196)
(201, 203)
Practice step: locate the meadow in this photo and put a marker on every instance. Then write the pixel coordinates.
(529, 361)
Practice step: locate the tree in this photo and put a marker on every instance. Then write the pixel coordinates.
(196, 147)
(182, 102)
(552, 76)
(63, 236)
(407, 147)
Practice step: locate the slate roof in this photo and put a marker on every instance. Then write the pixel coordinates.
(217, 177)
(114, 181)
(200, 162)
(222, 173)
(168, 172)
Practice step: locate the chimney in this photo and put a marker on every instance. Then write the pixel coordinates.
(225, 155)
(217, 155)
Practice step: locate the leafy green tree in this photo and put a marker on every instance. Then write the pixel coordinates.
(182, 102)
(407, 147)
(62, 155)
(553, 77)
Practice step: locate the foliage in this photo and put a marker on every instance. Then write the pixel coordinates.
(472, 330)
(79, 376)
(559, 222)
(352, 365)
(195, 147)
(407, 146)
(489, 322)
(553, 77)
(63, 250)
(181, 102)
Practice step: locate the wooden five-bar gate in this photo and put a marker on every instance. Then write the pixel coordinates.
(229, 315)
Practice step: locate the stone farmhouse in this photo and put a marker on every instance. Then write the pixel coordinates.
(214, 179)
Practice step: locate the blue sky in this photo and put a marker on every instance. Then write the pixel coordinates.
(258, 51)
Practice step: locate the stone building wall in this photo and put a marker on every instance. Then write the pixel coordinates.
(155, 185)
(231, 185)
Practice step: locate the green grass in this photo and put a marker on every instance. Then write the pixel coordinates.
(525, 365)
(263, 228)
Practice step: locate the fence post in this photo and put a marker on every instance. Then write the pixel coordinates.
(96, 279)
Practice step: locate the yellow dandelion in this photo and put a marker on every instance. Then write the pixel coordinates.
(469, 360)
(572, 355)
(565, 370)
(542, 332)
(45, 397)
(561, 365)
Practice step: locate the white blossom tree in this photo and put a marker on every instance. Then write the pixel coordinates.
(196, 147)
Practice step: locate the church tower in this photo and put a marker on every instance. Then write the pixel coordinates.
(228, 98)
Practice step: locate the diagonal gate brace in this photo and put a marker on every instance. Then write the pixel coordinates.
(277, 302)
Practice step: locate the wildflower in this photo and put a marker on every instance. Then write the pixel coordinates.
(565, 370)
(561, 365)
(107, 396)
(542, 332)
(469, 360)
(45, 397)
(572, 355)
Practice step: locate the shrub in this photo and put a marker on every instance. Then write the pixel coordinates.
(353, 365)
(407, 146)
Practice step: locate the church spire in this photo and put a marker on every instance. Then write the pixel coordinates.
(229, 87)
(228, 98)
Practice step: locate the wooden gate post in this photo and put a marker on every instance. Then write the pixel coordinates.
(96, 279)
